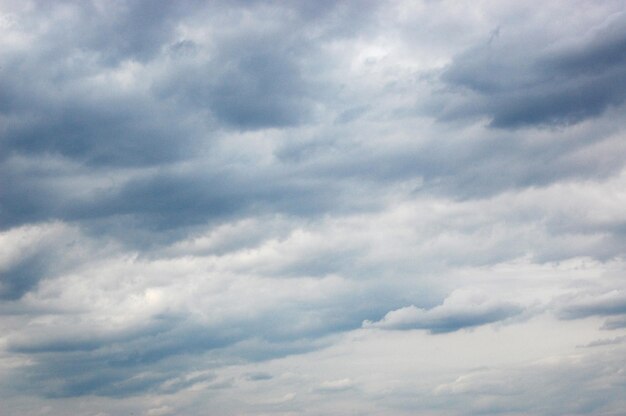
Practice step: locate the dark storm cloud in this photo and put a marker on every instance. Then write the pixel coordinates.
(518, 81)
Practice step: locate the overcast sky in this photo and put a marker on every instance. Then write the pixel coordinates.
(312, 208)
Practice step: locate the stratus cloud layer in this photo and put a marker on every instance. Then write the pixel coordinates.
(330, 208)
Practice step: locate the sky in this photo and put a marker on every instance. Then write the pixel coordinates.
(312, 208)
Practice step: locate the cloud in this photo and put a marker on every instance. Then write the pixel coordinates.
(462, 309)
(519, 82)
(605, 341)
(587, 304)
(21, 277)
(258, 376)
(33, 253)
(116, 365)
(615, 323)
(533, 388)
(330, 386)
(252, 87)
(71, 102)
(225, 205)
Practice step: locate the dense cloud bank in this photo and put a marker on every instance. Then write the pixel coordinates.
(312, 208)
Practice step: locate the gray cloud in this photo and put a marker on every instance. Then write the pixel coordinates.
(117, 365)
(521, 82)
(22, 276)
(460, 310)
(41, 252)
(615, 323)
(217, 202)
(116, 31)
(603, 304)
(63, 96)
(258, 376)
(251, 84)
(605, 342)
